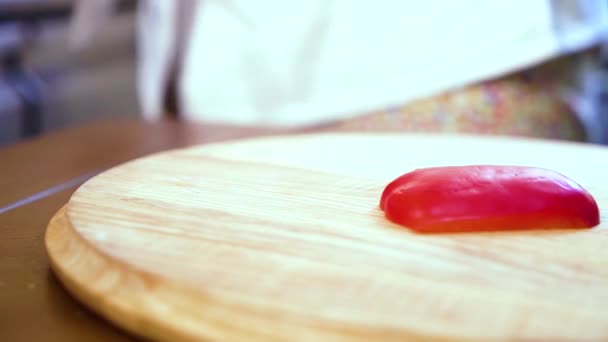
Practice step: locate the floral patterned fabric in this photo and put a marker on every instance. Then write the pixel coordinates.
(528, 103)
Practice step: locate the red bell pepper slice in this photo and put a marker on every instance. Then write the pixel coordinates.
(487, 198)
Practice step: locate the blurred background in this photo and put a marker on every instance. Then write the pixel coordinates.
(44, 85)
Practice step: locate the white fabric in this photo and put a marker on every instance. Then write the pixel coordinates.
(279, 62)
(156, 48)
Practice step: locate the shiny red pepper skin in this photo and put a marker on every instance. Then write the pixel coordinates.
(487, 198)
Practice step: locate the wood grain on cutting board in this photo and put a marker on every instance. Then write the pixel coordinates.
(282, 239)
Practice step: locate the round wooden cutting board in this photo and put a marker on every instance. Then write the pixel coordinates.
(281, 239)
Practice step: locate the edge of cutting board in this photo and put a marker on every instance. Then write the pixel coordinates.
(137, 301)
(69, 255)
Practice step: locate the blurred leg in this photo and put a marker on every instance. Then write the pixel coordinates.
(528, 103)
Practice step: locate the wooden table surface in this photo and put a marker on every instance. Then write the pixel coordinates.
(36, 178)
